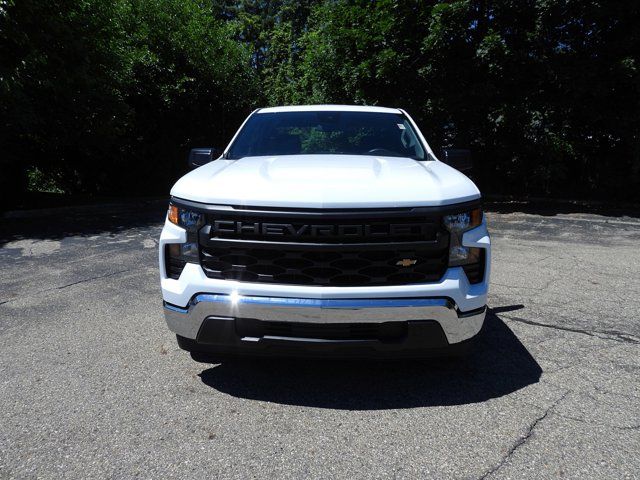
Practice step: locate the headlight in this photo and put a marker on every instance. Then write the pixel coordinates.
(457, 224)
(461, 222)
(187, 219)
(177, 255)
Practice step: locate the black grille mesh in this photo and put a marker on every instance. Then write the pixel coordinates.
(385, 331)
(328, 268)
(391, 248)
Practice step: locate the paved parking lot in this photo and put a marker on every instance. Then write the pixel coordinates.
(92, 383)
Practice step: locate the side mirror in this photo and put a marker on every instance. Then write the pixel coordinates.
(202, 156)
(458, 158)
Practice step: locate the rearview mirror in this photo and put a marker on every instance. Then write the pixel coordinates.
(202, 156)
(458, 158)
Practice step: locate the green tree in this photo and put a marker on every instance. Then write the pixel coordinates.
(99, 94)
(62, 77)
(191, 85)
(545, 92)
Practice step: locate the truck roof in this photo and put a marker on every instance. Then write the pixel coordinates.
(326, 108)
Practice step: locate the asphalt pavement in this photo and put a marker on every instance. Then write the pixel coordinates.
(93, 385)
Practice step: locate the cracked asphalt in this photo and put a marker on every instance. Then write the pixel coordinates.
(92, 384)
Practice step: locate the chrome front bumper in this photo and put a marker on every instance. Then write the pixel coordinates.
(457, 326)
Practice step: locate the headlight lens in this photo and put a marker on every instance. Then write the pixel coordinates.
(177, 255)
(461, 222)
(457, 224)
(184, 218)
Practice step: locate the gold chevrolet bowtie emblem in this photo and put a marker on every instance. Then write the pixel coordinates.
(406, 262)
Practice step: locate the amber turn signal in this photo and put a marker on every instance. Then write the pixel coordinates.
(476, 217)
(173, 214)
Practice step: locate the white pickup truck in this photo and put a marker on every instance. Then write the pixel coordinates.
(325, 230)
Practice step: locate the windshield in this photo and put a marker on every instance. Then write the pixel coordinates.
(326, 132)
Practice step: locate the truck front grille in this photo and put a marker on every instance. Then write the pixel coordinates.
(337, 268)
(339, 249)
(385, 331)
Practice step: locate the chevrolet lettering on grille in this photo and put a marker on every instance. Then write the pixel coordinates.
(234, 228)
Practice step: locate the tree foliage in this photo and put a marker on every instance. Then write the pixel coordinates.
(546, 93)
(106, 95)
(99, 94)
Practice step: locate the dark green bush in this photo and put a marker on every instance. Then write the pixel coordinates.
(104, 96)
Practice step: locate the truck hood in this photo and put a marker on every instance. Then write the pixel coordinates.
(326, 181)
